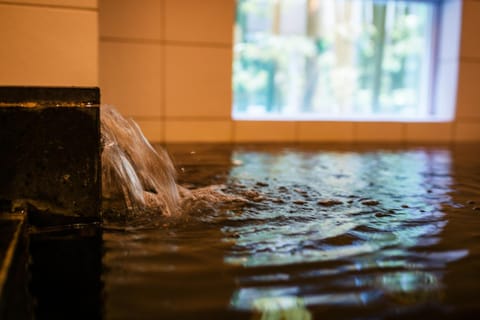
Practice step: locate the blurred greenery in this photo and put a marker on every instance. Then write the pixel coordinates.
(331, 56)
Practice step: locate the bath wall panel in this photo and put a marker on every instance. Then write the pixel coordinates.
(198, 131)
(467, 131)
(325, 131)
(131, 77)
(265, 131)
(468, 90)
(467, 122)
(187, 90)
(48, 45)
(470, 46)
(198, 82)
(379, 132)
(152, 129)
(441, 132)
(131, 19)
(206, 21)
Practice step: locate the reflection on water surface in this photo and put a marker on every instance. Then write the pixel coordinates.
(325, 233)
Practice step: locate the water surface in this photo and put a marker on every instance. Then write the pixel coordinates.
(344, 232)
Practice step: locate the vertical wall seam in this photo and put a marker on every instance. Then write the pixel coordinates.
(354, 133)
(296, 135)
(232, 131)
(163, 75)
(453, 131)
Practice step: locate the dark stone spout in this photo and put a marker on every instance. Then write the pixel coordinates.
(50, 175)
(50, 153)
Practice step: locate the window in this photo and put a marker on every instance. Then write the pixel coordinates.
(335, 59)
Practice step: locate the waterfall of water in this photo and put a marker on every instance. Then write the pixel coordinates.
(136, 178)
(134, 175)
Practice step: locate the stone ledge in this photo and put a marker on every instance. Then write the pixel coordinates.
(49, 96)
(50, 151)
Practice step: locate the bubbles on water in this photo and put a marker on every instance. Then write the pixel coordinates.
(210, 198)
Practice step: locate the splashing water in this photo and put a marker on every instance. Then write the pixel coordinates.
(138, 179)
(134, 175)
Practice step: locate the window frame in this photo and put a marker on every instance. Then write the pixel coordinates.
(436, 110)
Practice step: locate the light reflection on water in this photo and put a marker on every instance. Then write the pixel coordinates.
(380, 249)
(377, 249)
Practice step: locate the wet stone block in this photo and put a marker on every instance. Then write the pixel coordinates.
(14, 297)
(65, 268)
(50, 151)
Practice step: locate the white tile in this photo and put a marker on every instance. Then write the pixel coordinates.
(325, 131)
(131, 19)
(131, 78)
(264, 131)
(429, 132)
(200, 21)
(468, 100)
(198, 131)
(48, 46)
(467, 131)
(152, 129)
(471, 16)
(198, 82)
(379, 132)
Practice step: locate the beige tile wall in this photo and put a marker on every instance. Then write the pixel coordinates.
(91, 4)
(467, 124)
(167, 64)
(49, 42)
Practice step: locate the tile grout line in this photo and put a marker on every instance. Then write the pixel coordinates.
(163, 57)
(453, 131)
(232, 130)
(468, 119)
(296, 132)
(177, 43)
(48, 6)
(469, 59)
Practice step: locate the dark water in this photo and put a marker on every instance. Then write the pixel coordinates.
(347, 233)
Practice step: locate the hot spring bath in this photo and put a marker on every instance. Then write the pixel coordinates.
(344, 232)
(244, 232)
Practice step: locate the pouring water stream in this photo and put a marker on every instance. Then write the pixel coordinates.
(138, 179)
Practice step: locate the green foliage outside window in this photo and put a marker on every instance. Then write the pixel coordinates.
(333, 57)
